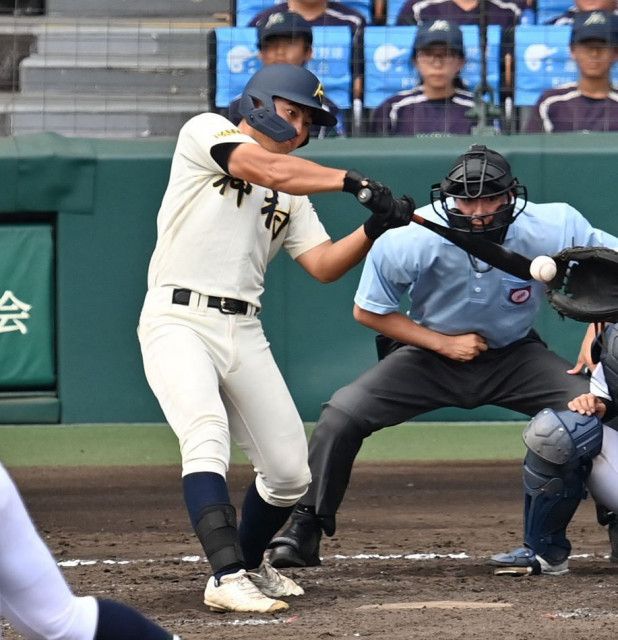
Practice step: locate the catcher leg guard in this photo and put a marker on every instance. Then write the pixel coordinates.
(216, 530)
(299, 544)
(561, 447)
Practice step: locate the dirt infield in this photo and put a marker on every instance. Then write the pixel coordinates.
(379, 578)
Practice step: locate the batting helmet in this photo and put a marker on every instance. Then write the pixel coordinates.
(480, 173)
(287, 81)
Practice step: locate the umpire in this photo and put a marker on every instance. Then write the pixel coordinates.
(467, 340)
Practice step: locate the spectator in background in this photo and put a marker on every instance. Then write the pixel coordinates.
(327, 13)
(590, 104)
(502, 12)
(287, 38)
(439, 104)
(584, 6)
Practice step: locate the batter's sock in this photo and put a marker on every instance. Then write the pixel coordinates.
(203, 489)
(117, 620)
(259, 523)
(207, 489)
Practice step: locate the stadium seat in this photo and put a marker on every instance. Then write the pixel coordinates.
(237, 60)
(393, 7)
(247, 9)
(387, 61)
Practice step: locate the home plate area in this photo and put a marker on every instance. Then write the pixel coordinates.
(408, 559)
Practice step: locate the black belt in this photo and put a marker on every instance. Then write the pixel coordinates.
(225, 305)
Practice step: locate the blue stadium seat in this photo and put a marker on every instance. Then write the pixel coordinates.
(237, 60)
(393, 7)
(387, 61)
(548, 9)
(543, 61)
(247, 9)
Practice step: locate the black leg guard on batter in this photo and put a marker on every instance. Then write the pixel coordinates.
(216, 530)
(552, 495)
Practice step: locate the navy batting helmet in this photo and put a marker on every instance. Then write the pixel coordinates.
(480, 173)
(287, 81)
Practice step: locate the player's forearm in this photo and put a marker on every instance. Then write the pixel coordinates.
(280, 172)
(330, 260)
(400, 328)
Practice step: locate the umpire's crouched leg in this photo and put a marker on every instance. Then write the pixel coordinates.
(334, 444)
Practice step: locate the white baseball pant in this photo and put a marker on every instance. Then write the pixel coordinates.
(215, 377)
(603, 480)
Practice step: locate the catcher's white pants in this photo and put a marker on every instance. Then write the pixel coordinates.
(215, 377)
(603, 480)
(34, 596)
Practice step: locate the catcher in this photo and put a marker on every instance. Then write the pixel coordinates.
(569, 451)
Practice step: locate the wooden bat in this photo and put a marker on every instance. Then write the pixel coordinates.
(473, 243)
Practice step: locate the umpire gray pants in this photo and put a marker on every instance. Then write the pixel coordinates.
(524, 376)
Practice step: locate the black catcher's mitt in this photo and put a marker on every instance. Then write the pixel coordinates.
(586, 284)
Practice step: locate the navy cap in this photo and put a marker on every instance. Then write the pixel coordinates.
(284, 23)
(595, 25)
(439, 32)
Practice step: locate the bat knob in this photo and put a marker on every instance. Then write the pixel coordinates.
(364, 195)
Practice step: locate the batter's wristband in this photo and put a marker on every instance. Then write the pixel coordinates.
(353, 182)
(374, 227)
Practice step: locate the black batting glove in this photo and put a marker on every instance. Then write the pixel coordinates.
(353, 182)
(388, 213)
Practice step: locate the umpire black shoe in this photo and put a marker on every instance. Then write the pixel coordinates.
(299, 544)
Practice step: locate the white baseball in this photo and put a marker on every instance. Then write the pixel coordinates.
(543, 269)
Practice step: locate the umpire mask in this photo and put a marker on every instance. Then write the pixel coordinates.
(480, 173)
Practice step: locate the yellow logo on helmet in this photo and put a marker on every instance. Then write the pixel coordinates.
(319, 92)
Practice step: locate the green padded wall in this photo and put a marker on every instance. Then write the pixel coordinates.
(27, 325)
(105, 195)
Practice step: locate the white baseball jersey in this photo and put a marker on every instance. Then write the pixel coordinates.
(216, 234)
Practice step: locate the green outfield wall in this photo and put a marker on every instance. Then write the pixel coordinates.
(92, 206)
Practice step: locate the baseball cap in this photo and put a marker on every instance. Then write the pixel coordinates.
(439, 32)
(595, 25)
(284, 23)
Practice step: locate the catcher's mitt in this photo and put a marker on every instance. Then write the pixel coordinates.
(586, 284)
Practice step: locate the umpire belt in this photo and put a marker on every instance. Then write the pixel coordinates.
(227, 306)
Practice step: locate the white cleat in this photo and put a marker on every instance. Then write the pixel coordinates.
(274, 584)
(237, 592)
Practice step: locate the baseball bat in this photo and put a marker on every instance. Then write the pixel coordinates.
(490, 252)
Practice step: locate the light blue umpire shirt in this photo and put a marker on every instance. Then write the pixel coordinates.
(448, 295)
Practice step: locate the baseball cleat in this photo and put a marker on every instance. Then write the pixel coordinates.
(237, 592)
(524, 561)
(274, 584)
